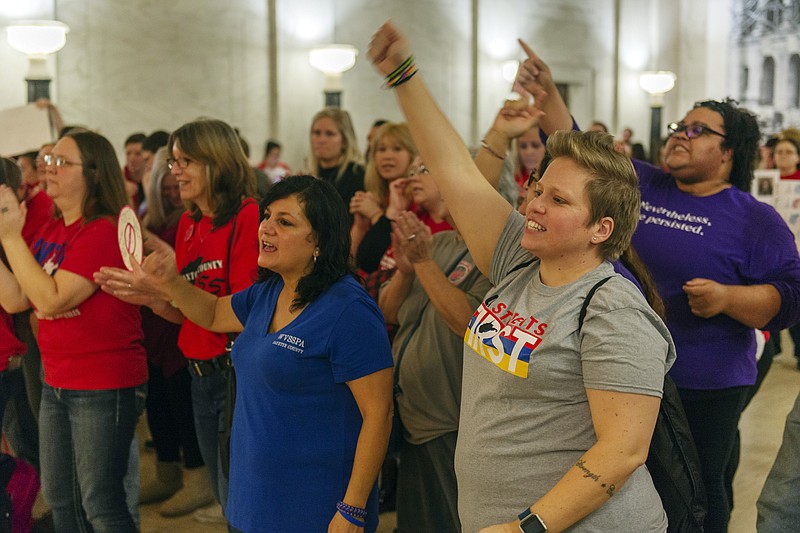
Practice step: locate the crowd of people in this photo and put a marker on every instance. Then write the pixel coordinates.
(284, 328)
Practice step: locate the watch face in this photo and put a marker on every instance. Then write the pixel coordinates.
(532, 524)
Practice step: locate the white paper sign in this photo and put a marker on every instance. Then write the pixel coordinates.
(23, 129)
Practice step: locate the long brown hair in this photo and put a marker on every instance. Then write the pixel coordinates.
(105, 184)
(229, 177)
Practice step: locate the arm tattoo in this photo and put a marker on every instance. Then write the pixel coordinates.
(610, 488)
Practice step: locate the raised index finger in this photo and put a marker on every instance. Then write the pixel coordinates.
(528, 50)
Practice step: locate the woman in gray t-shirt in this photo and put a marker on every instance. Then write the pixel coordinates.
(556, 419)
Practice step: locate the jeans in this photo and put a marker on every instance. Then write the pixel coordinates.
(713, 417)
(132, 482)
(84, 449)
(778, 511)
(208, 402)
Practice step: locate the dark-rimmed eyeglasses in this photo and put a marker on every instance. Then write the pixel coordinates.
(533, 177)
(59, 161)
(180, 162)
(691, 130)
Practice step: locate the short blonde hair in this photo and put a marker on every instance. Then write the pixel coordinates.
(613, 187)
(373, 182)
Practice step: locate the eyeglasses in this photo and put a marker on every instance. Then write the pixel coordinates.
(692, 130)
(533, 177)
(422, 170)
(59, 161)
(180, 162)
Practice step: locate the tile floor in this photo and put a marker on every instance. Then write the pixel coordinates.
(761, 429)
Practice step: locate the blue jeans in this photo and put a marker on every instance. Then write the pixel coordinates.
(132, 482)
(84, 447)
(778, 511)
(208, 403)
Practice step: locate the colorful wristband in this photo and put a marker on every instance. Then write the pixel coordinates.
(405, 78)
(352, 510)
(353, 520)
(401, 74)
(403, 66)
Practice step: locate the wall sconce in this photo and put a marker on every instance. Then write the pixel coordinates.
(37, 39)
(332, 60)
(656, 84)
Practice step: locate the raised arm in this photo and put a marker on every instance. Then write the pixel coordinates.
(479, 211)
(535, 77)
(514, 119)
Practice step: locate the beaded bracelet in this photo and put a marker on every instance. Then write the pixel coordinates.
(356, 512)
(488, 148)
(353, 520)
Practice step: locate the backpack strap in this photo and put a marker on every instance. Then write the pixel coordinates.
(588, 299)
(522, 265)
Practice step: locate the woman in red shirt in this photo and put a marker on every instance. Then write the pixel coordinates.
(91, 343)
(216, 249)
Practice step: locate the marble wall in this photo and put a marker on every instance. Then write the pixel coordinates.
(145, 64)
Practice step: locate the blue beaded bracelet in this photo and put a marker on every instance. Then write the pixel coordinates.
(353, 520)
(356, 512)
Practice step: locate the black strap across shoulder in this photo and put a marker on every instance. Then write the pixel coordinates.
(672, 460)
(588, 299)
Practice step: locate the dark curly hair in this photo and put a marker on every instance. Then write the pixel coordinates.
(330, 222)
(741, 136)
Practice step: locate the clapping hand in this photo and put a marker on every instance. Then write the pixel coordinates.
(365, 204)
(12, 213)
(399, 201)
(147, 283)
(411, 238)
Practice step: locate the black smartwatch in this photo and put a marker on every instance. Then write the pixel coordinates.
(530, 523)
